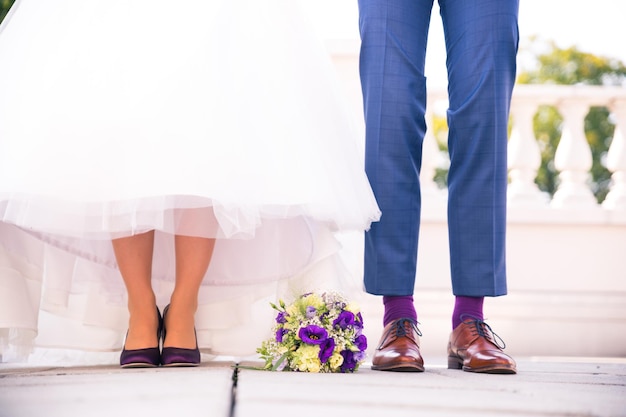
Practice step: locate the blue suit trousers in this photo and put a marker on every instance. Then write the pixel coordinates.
(481, 44)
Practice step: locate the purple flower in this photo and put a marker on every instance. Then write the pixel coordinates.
(312, 334)
(345, 319)
(360, 356)
(349, 361)
(358, 323)
(361, 342)
(326, 349)
(310, 312)
(280, 317)
(279, 335)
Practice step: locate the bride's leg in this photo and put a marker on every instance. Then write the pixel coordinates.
(134, 259)
(193, 255)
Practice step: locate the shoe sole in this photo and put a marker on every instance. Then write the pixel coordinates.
(137, 365)
(457, 363)
(491, 370)
(399, 368)
(181, 365)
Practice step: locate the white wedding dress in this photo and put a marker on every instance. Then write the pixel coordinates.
(214, 118)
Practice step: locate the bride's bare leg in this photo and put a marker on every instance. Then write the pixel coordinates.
(193, 256)
(134, 259)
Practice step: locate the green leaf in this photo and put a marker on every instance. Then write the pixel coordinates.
(279, 361)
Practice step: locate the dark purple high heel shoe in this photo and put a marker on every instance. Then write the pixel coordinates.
(178, 357)
(143, 358)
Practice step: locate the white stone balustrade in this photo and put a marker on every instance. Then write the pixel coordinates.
(573, 156)
(524, 157)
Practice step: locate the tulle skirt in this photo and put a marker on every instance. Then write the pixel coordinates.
(210, 118)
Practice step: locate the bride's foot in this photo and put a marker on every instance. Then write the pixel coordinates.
(143, 329)
(141, 347)
(179, 322)
(180, 345)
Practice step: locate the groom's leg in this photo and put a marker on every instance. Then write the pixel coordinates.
(481, 43)
(393, 50)
(394, 35)
(481, 39)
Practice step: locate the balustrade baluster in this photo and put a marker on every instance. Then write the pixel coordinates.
(573, 158)
(616, 160)
(524, 157)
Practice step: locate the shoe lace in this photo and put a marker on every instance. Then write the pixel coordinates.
(399, 329)
(484, 330)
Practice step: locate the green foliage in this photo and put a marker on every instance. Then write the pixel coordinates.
(571, 66)
(440, 131)
(5, 5)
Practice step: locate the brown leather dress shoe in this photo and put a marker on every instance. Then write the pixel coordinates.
(474, 347)
(398, 349)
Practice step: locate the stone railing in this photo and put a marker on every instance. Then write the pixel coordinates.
(573, 157)
(566, 255)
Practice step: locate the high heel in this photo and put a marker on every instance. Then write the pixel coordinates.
(143, 358)
(179, 357)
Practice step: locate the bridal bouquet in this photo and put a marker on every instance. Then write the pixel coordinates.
(316, 333)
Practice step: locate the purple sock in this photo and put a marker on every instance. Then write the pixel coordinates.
(467, 306)
(397, 307)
